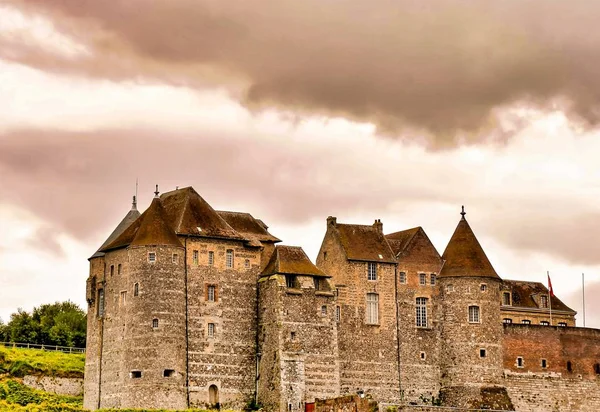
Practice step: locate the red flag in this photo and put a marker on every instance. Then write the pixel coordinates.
(550, 286)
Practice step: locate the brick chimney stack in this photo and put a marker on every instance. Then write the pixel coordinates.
(332, 221)
(378, 225)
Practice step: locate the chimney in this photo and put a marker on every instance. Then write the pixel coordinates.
(378, 225)
(331, 221)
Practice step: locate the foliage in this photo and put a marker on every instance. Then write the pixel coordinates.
(60, 323)
(21, 362)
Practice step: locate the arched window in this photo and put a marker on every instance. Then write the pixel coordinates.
(136, 289)
(155, 323)
(213, 396)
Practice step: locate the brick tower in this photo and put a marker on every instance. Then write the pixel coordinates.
(471, 334)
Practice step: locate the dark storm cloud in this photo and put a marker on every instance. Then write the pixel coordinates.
(440, 65)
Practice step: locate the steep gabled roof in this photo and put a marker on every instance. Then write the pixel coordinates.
(464, 256)
(127, 221)
(399, 240)
(151, 228)
(362, 242)
(526, 295)
(291, 260)
(190, 214)
(249, 227)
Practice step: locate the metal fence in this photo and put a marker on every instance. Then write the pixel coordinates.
(53, 348)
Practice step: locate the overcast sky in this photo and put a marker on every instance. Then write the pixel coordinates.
(292, 111)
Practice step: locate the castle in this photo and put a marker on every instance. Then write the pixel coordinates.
(189, 306)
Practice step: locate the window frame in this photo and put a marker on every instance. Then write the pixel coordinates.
(175, 258)
(504, 301)
(195, 256)
(432, 279)
(474, 314)
(421, 318)
(211, 329)
(507, 321)
(544, 301)
(372, 309)
(402, 278)
(372, 271)
(525, 322)
(100, 310)
(338, 313)
(291, 281)
(136, 289)
(229, 259)
(155, 323)
(211, 293)
(422, 279)
(152, 257)
(123, 298)
(211, 258)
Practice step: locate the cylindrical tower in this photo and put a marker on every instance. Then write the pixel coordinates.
(471, 331)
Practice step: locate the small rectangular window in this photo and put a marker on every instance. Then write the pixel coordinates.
(175, 258)
(229, 258)
(293, 335)
(544, 363)
(135, 374)
(290, 281)
(136, 289)
(421, 316)
(151, 257)
(402, 277)
(100, 302)
(372, 308)
(211, 258)
(450, 288)
(372, 271)
(507, 320)
(211, 293)
(112, 270)
(168, 373)
(155, 323)
(325, 256)
(119, 267)
(519, 362)
(195, 257)
(433, 279)
(506, 298)
(562, 323)
(473, 314)
(483, 287)
(526, 322)
(317, 283)
(247, 263)
(323, 310)
(338, 313)
(545, 323)
(482, 353)
(211, 330)
(123, 298)
(422, 279)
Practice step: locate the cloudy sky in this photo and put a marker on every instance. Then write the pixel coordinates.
(400, 110)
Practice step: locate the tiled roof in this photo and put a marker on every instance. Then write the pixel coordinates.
(129, 218)
(399, 240)
(151, 228)
(247, 226)
(524, 293)
(464, 256)
(190, 214)
(362, 242)
(291, 260)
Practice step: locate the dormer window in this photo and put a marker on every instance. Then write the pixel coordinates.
(290, 281)
(544, 301)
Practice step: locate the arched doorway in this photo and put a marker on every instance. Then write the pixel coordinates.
(213, 396)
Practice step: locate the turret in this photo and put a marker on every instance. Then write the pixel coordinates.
(471, 353)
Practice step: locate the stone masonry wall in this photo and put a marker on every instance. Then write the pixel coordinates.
(52, 384)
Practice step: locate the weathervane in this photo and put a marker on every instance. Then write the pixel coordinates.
(463, 213)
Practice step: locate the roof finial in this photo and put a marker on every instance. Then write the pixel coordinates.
(463, 213)
(157, 192)
(134, 203)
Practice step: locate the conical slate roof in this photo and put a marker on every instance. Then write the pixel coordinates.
(151, 228)
(464, 256)
(129, 218)
(291, 260)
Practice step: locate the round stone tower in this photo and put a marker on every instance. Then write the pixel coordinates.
(471, 331)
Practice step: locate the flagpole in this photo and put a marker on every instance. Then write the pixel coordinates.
(583, 295)
(549, 296)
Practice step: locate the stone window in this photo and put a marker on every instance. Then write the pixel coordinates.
(175, 258)
(123, 297)
(168, 373)
(112, 270)
(325, 256)
(482, 353)
(597, 368)
(450, 288)
(474, 314)
(545, 323)
(100, 302)
(432, 279)
(544, 363)
(372, 308)
(155, 323)
(507, 320)
(119, 267)
(543, 301)
(562, 323)
(229, 258)
(293, 335)
(211, 293)
(290, 281)
(519, 362)
(317, 283)
(211, 330)
(323, 310)
(421, 305)
(151, 257)
(423, 355)
(136, 289)
(211, 258)
(569, 366)
(526, 322)
(402, 277)
(422, 279)
(506, 298)
(483, 287)
(338, 313)
(135, 374)
(247, 263)
(372, 271)
(195, 257)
